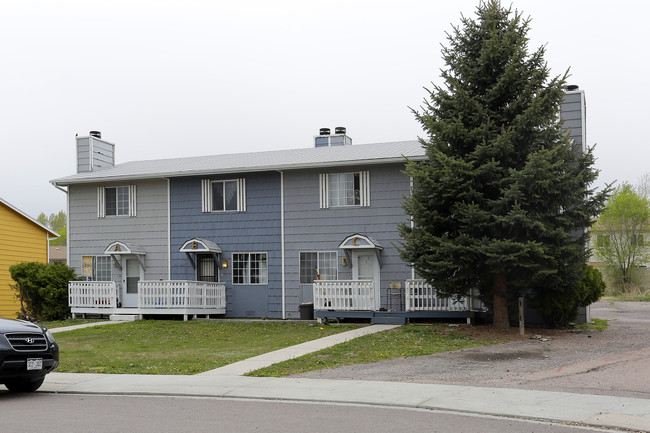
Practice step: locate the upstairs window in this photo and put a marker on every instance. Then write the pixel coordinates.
(223, 195)
(345, 189)
(116, 201)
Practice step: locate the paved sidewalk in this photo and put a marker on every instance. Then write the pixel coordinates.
(603, 411)
(83, 325)
(228, 382)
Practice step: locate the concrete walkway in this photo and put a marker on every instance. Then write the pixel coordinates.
(83, 325)
(228, 382)
(251, 364)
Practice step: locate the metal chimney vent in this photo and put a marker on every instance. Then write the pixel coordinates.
(324, 131)
(339, 130)
(572, 87)
(96, 134)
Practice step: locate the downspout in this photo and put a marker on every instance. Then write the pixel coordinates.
(169, 231)
(67, 226)
(284, 306)
(412, 225)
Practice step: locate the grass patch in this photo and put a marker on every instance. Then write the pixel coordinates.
(633, 296)
(403, 342)
(596, 324)
(172, 347)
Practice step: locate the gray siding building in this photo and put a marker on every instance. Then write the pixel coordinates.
(263, 225)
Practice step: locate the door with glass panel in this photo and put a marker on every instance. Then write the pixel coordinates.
(132, 273)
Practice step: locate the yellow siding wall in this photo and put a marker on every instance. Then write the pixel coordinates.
(20, 241)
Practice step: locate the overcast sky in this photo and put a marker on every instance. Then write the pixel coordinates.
(175, 78)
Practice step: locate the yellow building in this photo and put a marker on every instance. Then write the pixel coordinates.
(22, 239)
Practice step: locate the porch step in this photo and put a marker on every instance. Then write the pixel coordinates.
(124, 317)
(380, 318)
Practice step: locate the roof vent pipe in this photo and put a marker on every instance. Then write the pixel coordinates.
(324, 131)
(96, 134)
(572, 87)
(339, 130)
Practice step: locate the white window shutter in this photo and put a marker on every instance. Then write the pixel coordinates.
(241, 195)
(132, 201)
(324, 190)
(101, 202)
(206, 195)
(364, 187)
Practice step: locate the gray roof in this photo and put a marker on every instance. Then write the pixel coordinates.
(379, 153)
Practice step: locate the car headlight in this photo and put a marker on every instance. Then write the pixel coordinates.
(49, 336)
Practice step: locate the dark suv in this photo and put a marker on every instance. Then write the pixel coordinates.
(27, 353)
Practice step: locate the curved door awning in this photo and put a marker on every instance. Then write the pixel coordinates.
(119, 248)
(357, 241)
(197, 245)
(361, 242)
(202, 246)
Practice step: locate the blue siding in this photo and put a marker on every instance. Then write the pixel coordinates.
(309, 228)
(256, 230)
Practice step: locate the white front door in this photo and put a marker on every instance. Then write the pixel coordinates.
(131, 274)
(365, 266)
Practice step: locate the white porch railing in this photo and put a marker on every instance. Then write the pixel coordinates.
(181, 294)
(92, 294)
(421, 296)
(344, 295)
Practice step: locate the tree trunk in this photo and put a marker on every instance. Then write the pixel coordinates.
(501, 320)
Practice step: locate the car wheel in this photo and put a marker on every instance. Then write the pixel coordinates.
(24, 385)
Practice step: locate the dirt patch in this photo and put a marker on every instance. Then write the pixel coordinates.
(610, 362)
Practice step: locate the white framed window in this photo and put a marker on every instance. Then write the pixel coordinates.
(344, 189)
(318, 265)
(223, 195)
(250, 268)
(116, 201)
(97, 268)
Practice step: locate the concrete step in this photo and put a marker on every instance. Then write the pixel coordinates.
(125, 317)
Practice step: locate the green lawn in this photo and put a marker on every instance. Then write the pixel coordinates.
(173, 347)
(405, 341)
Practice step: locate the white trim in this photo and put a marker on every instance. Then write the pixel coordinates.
(169, 231)
(324, 180)
(376, 268)
(248, 253)
(318, 256)
(101, 202)
(198, 245)
(241, 195)
(132, 201)
(206, 194)
(282, 246)
(364, 188)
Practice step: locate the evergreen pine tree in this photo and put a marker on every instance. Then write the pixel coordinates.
(502, 201)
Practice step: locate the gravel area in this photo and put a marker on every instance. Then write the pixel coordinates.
(611, 362)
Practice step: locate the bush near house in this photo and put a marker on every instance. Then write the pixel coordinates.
(42, 289)
(558, 309)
